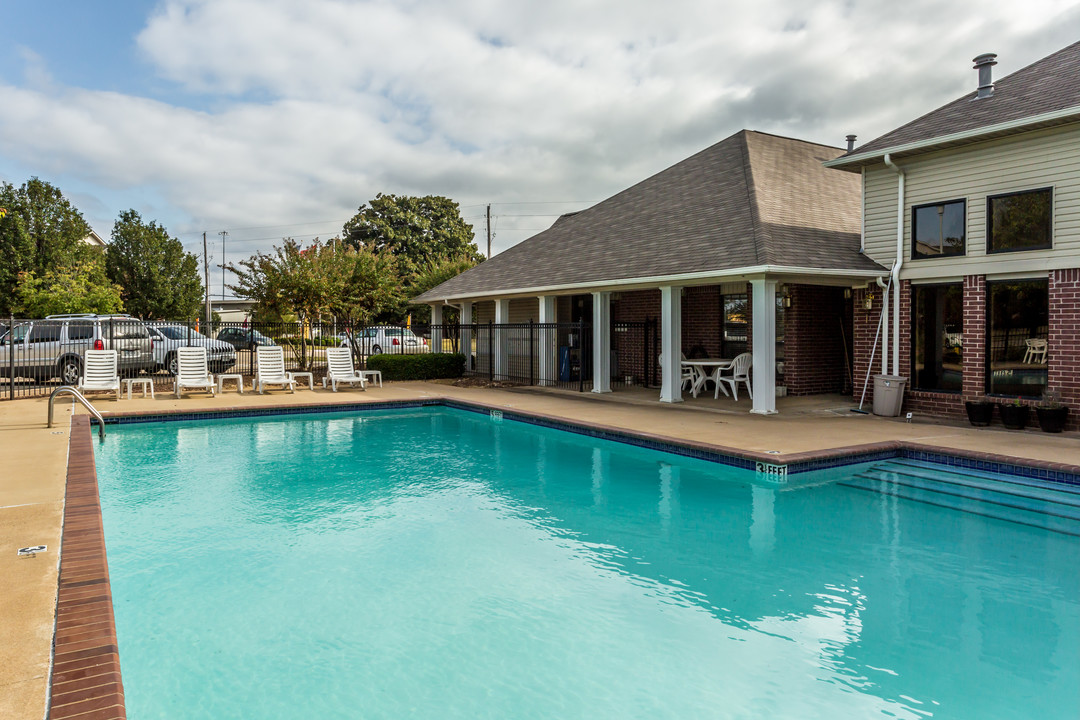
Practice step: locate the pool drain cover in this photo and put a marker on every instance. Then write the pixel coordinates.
(31, 551)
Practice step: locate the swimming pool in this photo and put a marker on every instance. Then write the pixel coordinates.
(433, 563)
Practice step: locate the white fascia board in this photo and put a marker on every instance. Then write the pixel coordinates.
(680, 279)
(844, 161)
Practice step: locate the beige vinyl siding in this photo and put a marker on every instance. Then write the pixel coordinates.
(1047, 158)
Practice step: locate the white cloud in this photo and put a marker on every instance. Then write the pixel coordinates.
(320, 104)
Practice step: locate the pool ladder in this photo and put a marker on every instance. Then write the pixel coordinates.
(85, 403)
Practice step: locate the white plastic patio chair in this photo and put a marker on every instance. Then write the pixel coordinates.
(270, 369)
(687, 376)
(99, 372)
(339, 368)
(740, 373)
(1036, 351)
(192, 371)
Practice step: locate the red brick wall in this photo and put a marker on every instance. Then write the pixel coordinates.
(864, 327)
(975, 336)
(701, 321)
(1063, 356)
(813, 340)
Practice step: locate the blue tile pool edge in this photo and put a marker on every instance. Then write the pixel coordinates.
(746, 460)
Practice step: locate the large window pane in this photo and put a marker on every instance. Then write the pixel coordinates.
(1020, 221)
(937, 337)
(1018, 323)
(734, 325)
(938, 229)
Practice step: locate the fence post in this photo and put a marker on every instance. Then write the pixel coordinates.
(582, 354)
(491, 351)
(11, 358)
(532, 353)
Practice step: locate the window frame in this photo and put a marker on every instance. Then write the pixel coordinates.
(913, 331)
(915, 254)
(988, 360)
(990, 221)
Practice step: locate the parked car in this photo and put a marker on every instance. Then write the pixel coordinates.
(55, 347)
(167, 338)
(243, 338)
(388, 339)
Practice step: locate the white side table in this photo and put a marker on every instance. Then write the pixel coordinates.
(239, 382)
(372, 376)
(310, 378)
(144, 382)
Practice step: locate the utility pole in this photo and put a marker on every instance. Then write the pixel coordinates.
(489, 230)
(223, 235)
(206, 278)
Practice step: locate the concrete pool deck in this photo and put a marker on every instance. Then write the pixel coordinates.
(32, 483)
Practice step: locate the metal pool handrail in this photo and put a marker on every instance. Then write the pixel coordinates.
(85, 403)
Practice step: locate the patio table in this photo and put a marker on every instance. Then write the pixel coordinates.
(707, 369)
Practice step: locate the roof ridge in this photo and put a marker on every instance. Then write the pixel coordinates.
(760, 235)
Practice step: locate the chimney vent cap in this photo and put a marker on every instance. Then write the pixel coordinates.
(985, 65)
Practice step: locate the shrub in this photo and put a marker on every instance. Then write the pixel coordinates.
(418, 367)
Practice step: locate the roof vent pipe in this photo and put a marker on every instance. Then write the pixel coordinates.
(985, 65)
(850, 143)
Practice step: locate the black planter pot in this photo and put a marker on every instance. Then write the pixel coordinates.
(979, 413)
(1052, 419)
(1014, 417)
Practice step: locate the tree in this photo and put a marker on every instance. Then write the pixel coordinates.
(39, 232)
(418, 231)
(434, 275)
(80, 288)
(159, 279)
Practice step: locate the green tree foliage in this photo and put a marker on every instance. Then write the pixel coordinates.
(40, 232)
(436, 274)
(79, 288)
(160, 280)
(418, 231)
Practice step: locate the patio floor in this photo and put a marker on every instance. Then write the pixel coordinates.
(33, 481)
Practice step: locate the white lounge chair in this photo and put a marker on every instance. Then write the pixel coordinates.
(99, 372)
(270, 369)
(740, 373)
(192, 371)
(339, 368)
(687, 375)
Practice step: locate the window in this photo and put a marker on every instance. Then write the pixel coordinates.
(733, 325)
(937, 339)
(1019, 221)
(45, 332)
(1018, 318)
(938, 230)
(80, 330)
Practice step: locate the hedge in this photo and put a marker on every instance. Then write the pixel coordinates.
(418, 367)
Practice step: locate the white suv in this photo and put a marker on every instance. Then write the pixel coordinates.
(54, 347)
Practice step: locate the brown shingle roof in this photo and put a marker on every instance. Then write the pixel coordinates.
(750, 200)
(1050, 85)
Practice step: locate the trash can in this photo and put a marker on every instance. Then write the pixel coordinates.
(888, 394)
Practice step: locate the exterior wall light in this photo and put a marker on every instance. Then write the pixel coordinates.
(868, 301)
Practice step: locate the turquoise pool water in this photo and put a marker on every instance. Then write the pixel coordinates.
(434, 564)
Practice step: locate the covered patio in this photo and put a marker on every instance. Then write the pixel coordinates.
(754, 226)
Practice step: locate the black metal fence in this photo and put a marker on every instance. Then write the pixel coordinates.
(38, 355)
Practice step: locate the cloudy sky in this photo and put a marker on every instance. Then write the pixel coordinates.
(273, 118)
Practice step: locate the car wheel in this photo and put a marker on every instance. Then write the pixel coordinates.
(171, 365)
(70, 370)
(376, 350)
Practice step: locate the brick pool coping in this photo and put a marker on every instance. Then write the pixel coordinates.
(86, 678)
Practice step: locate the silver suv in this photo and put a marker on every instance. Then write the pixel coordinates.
(54, 347)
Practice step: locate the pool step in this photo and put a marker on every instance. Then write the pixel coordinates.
(1006, 497)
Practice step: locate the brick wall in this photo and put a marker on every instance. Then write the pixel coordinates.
(813, 340)
(864, 327)
(701, 321)
(1063, 356)
(975, 337)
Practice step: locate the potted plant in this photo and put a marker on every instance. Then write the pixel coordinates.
(979, 412)
(1051, 413)
(1014, 415)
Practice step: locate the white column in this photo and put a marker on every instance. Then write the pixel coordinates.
(548, 370)
(467, 335)
(601, 342)
(670, 344)
(763, 372)
(436, 328)
(502, 317)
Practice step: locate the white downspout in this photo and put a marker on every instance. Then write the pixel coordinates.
(885, 324)
(899, 260)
